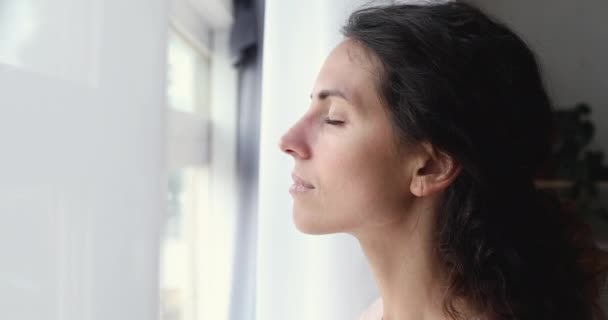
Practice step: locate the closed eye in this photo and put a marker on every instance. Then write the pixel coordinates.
(333, 122)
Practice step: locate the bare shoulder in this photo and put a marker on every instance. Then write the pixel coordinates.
(374, 311)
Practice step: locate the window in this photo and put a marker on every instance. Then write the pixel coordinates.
(187, 202)
(188, 178)
(196, 254)
(188, 75)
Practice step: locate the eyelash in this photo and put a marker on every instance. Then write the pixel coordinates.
(333, 122)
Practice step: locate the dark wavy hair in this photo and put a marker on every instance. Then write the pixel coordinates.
(453, 76)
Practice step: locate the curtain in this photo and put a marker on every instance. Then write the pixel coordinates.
(246, 53)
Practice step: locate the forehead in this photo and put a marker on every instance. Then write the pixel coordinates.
(351, 69)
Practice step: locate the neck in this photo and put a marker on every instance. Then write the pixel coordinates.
(402, 258)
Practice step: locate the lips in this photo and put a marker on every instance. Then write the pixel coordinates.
(301, 182)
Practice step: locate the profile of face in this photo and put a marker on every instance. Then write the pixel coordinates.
(348, 173)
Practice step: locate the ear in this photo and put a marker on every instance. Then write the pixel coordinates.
(434, 171)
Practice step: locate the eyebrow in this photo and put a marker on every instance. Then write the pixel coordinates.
(330, 93)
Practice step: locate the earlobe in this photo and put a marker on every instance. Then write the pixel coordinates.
(417, 187)
(419, 178)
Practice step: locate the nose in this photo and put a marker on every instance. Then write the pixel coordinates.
(294, 142)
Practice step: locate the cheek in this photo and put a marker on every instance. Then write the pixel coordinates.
(359, 183)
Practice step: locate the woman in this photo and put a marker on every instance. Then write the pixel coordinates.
(426, 127)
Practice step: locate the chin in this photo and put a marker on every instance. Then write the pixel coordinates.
(306, 224)
(312, 223)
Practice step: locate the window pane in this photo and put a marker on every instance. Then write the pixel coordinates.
(188, 78)
(187, 203)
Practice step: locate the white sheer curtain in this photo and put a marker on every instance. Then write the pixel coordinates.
(82, 188)
(300, 277)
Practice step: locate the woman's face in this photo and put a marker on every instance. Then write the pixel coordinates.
(348, 173)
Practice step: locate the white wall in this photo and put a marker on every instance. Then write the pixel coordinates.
(571, 40)
(300, 277)
(82, 185)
